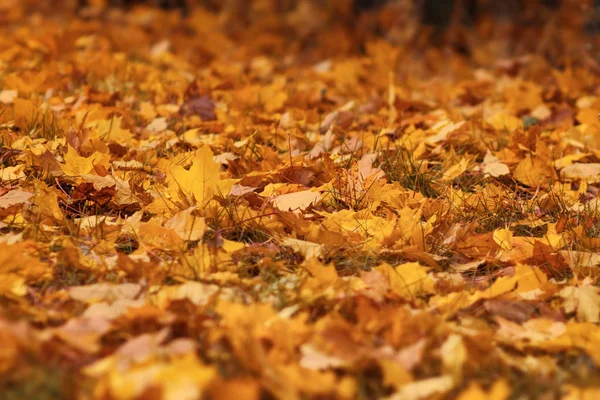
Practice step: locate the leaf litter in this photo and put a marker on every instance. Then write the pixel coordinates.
(210, 208)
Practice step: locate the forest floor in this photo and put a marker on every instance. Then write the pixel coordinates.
(222, 208)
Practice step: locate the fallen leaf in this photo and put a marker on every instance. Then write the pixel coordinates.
(584, 301)
(493, 166)
(423, 388)
(202, 106)
(8, 96)
(297, 201)
(13, 197)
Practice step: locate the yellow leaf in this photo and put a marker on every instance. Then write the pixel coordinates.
(309, 250)
(275, 101)
(109, 130)
(533, 172)
(569, 159)
(154, 235)
(587, 116)
(202, 178)
(363, 226)
(196, 292)
(187, 225)
(12, 285)
(75, 165)
(230, 246)
(443, 129)
(235, 388)
(498, 391)
(147, 110)
(12, 173)
(502, 285)
(503, 237)
(15, 259)
(502, 122)
(454, 354)
(324, 273)
(182, 378)
(527, 278)
(45, 202)
(394, 374)
(456, 170)
(586, 393)
(408, 280)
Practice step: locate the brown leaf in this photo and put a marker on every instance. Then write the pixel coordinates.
(202, 106)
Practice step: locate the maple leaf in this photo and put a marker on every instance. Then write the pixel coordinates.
(308, 249)
(297, 201)
(584, 301)
(153, 234)
(493, 166)
(587, 172)
(201, 180)
(187, 225)
(15, 259)
(456, 170)
(533, 171)
(75, 165)
(110, 130)
(196, 292)
(408, 280)
(12, 173)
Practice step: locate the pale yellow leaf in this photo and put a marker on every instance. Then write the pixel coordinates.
(297, 201)
(454, 354)
(8, 96)
(309, 250)
(17, 196)
(584, 301)
(587, 172)
(423, 389)
(187, 225)
(493, 166)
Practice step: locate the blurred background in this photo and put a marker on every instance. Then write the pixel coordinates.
(483, 31)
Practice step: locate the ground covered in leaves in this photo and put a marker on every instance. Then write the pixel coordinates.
(225, 208)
